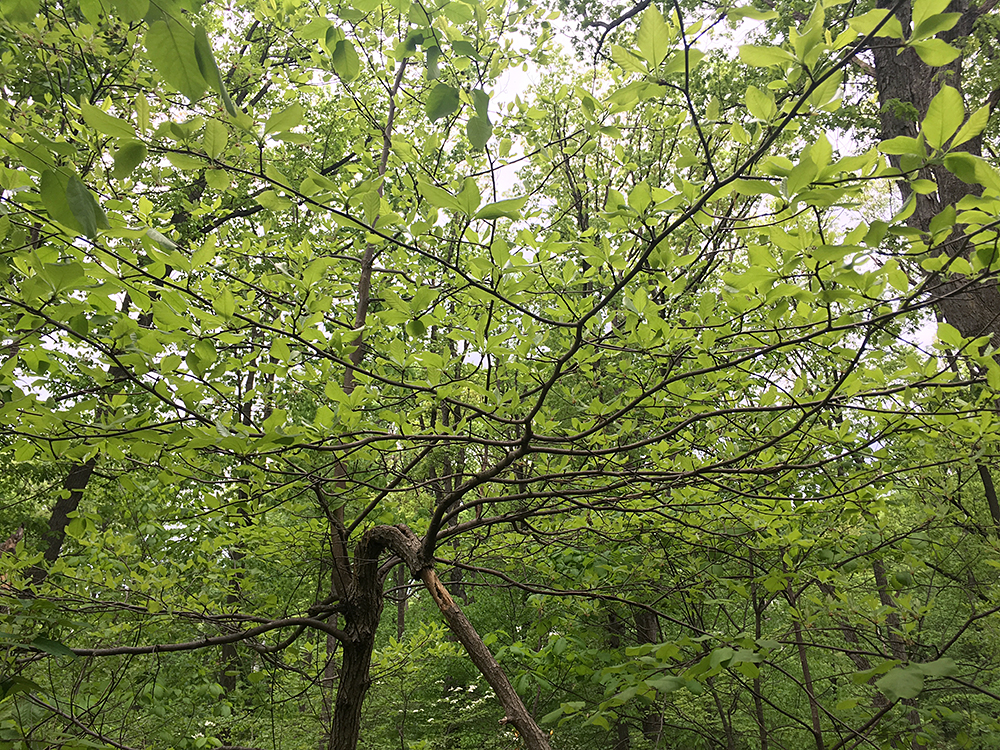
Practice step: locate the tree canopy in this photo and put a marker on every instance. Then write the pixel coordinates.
(478, 373)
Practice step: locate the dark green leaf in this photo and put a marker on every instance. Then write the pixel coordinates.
(478, 130)
(902, 682)
(442, 101)
(129, 155)
(346, 62)
(52, 647)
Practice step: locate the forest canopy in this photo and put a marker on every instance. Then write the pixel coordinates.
(432, 374)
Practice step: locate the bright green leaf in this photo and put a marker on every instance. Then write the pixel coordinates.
(653, 39)
(944, 116)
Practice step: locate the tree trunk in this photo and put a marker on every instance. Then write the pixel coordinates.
(69, 500)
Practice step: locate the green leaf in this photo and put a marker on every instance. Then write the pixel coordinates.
(346, 63)
(762, 57)
(469, 197)
(170, 46)
(442, 101)
(438, 197)
(464, 48)
(748, 11)
(104, 123)
(902, 683)
(653, 39)
(975, 125)
(225, 303)
(53, 194)
(416, 328)
(210, 69)
(130, 11)
(216, 137)
(478, 130)
(627, 60)
(19, 11)
(936, 52)
(185, 162)
(760, 103)
(945, 667)
(944, 116)
(507, 209)
(666, 684)
(130, 154)
(84, 207)
(52, 647)
(17, 684)
(286, 119)
(218, 179)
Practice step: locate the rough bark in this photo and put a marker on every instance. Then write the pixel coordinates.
(362, 610)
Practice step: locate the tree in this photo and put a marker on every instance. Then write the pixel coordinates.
(275, 331)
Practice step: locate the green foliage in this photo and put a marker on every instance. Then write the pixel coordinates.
(642, 356)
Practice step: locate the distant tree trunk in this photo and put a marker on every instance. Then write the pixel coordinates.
(807, 681)
(615, 629)
(895, 638)
(647, 630)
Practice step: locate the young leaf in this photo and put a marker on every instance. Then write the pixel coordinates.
(627, 60)
(760, 103)
(944, 116)
(653, 39)
(441, 102)
(975, 125)
(936, 52)
(762, 57)
(171, 49)
(216, 137)
(924, 9)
